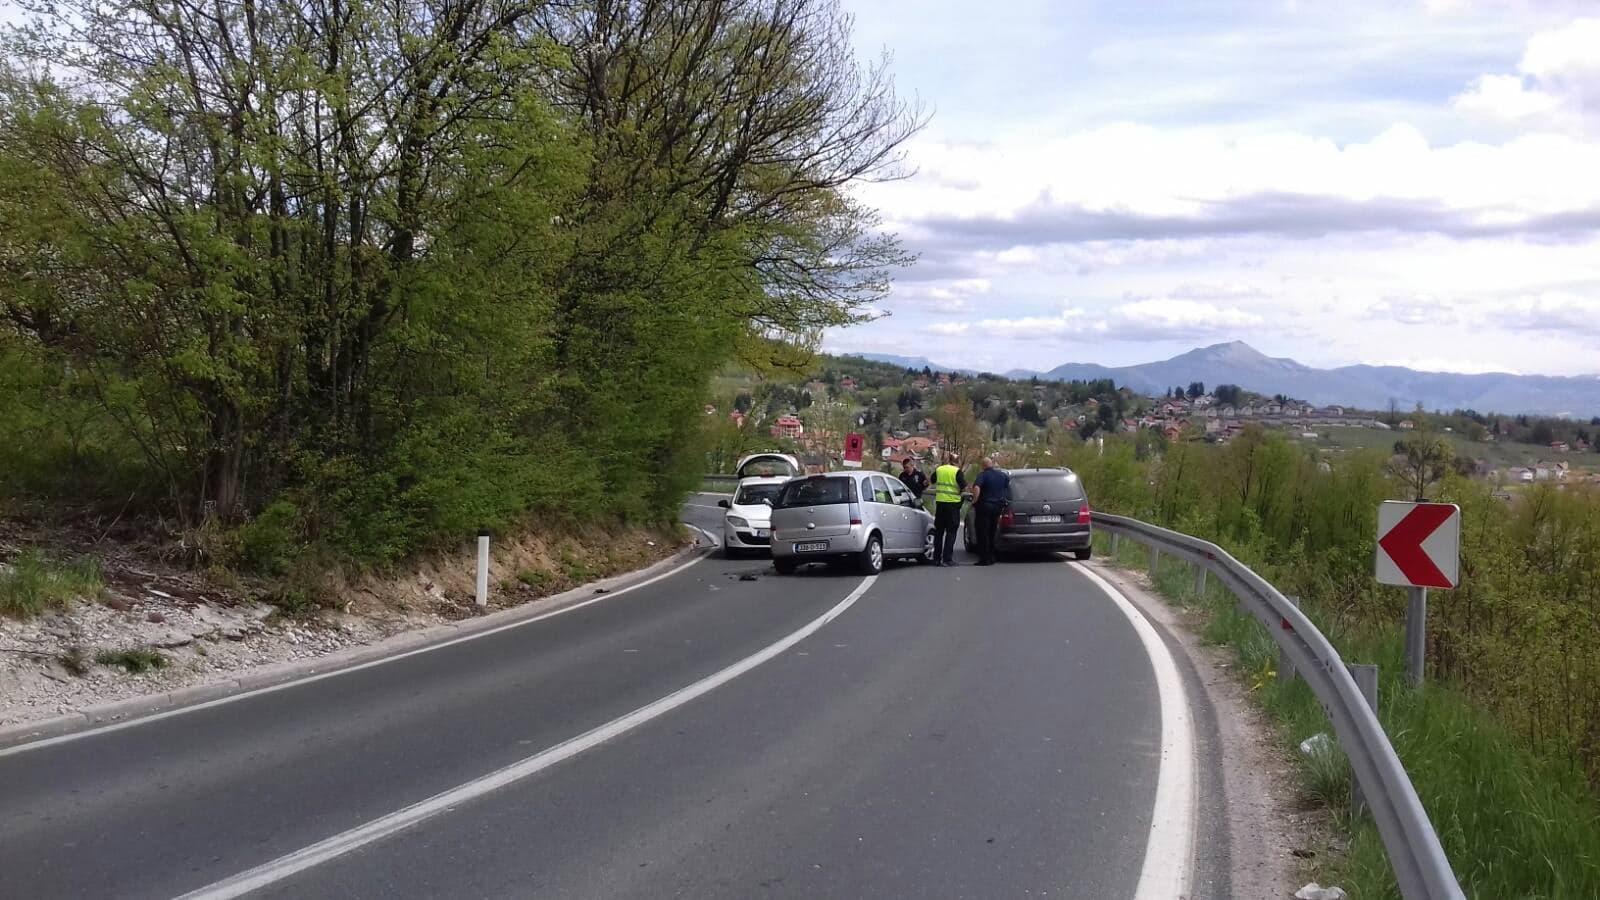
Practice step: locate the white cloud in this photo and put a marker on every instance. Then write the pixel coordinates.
(1321, 196)
(1033, 328)
(1164, 318)
(1553, 312)
(1421, 309)
(1506, 97)
(1557, 82)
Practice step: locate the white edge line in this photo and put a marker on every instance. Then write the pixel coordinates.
(355, 838)
(1169, 849)
(715, 541)
(333, 673)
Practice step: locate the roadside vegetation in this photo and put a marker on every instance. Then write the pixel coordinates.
(135, 661)
(32, 583)
(1503, 743)
(356, 292)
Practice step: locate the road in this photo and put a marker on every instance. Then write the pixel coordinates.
(968, 733)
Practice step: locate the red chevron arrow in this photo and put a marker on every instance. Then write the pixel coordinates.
(1403, 543)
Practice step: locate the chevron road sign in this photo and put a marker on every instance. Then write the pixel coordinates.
(1419, 544)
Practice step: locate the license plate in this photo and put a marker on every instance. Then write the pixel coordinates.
(762, 532)
(1046, 520)
(813, 547)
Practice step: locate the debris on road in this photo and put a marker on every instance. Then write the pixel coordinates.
(1318, 745)
(1314, 891)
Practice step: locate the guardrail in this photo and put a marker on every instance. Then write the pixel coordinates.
(1420, 866)
(722, 483)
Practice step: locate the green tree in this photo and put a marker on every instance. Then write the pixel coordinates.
(1421, 461)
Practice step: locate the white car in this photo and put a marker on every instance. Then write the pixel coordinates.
(747, 527)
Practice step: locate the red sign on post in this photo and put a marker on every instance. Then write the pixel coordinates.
(853, 447)
(1419, 544)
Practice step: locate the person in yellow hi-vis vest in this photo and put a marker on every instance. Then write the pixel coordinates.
(948, 485)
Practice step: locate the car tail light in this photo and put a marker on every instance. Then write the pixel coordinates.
(1008, 519)
(855, 514)
(1083, 514)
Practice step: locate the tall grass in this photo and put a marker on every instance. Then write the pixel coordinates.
(1515, 823)
(33, 583)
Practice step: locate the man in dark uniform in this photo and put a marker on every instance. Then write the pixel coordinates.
(990, 498)
(912, 477)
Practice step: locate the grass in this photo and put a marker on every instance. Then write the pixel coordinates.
(134, 661)
(1501, 454)
(1513, 824)
(74, 660)
(35, 583)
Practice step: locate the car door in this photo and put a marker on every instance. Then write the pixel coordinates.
(885, 514)
(916, 521)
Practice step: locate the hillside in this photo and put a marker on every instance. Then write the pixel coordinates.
(1367, 387)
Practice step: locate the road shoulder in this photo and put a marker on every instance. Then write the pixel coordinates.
(1245, 780)
(271, 676)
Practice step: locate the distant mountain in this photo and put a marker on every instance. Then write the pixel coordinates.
(1365, 387)
(909, 362)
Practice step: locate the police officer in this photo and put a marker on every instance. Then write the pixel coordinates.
(912, 478)
(948, 484)
(988, 503)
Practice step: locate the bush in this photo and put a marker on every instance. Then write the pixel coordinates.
(134, 661)
(269, 543)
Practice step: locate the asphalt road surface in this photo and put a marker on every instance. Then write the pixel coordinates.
(999, 732)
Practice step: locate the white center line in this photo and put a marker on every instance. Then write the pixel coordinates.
(360, 836)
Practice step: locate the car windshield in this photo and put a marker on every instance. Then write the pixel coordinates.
(751, 494)
(1054, 486)
(815, 492)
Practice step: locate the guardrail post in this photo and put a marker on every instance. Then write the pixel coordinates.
(1416, 636)
(1155, 562)
(1285, 665)
(1114, 537)
(1199, 580)
(483, 567)
(1366, 678)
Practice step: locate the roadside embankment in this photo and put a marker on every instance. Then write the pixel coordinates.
(89, 624)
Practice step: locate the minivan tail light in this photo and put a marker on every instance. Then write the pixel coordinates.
(855, 514)
(1084, 513)
(1008, 519)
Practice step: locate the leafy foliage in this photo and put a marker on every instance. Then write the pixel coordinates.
(372, 279)
(1504, 739)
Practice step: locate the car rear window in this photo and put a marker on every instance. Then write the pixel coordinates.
(767, 467)
(751, 494)
(1029, 488)
(816, 492)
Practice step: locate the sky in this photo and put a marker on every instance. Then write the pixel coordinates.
(1407, 182)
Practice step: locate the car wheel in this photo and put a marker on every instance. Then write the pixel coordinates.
(785, 566)
(926, 557)
(1085, 553)
(871, 560)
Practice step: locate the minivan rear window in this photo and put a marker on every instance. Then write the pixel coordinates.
(816, 492)
(1054, 486)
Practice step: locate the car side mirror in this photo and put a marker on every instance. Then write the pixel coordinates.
(722, 503)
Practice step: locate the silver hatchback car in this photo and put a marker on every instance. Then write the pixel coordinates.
(860, 517)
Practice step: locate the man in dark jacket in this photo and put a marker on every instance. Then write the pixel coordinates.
(912, 478)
